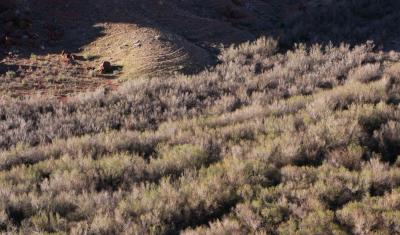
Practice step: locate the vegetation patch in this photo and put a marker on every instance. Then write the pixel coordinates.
(254, 145)
(270, 140)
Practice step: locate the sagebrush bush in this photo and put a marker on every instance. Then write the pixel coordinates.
(366, 73)
(268, 142)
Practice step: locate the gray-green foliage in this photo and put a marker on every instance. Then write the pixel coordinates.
(301, 142)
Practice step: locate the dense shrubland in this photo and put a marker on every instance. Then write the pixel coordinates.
(301, 142)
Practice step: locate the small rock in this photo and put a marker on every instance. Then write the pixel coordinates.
(106, 67)
(138, 44)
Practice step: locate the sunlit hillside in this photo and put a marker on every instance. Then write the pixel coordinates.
(280, 134)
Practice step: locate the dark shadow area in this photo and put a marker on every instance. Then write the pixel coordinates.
(342, 21)
(53, 26)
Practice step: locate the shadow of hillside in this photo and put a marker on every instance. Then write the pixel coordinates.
(351, 22)
(209, 23)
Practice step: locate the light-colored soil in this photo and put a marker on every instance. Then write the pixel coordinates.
(143, 37)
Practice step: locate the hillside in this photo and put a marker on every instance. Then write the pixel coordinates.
(222, 117)
(55, 47)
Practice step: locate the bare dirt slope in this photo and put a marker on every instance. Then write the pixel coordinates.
(56, 46)
(145, 38)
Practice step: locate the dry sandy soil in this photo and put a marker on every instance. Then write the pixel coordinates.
(55, 47)
(60, 48)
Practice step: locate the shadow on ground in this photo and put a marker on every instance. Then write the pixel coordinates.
(68, 25)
